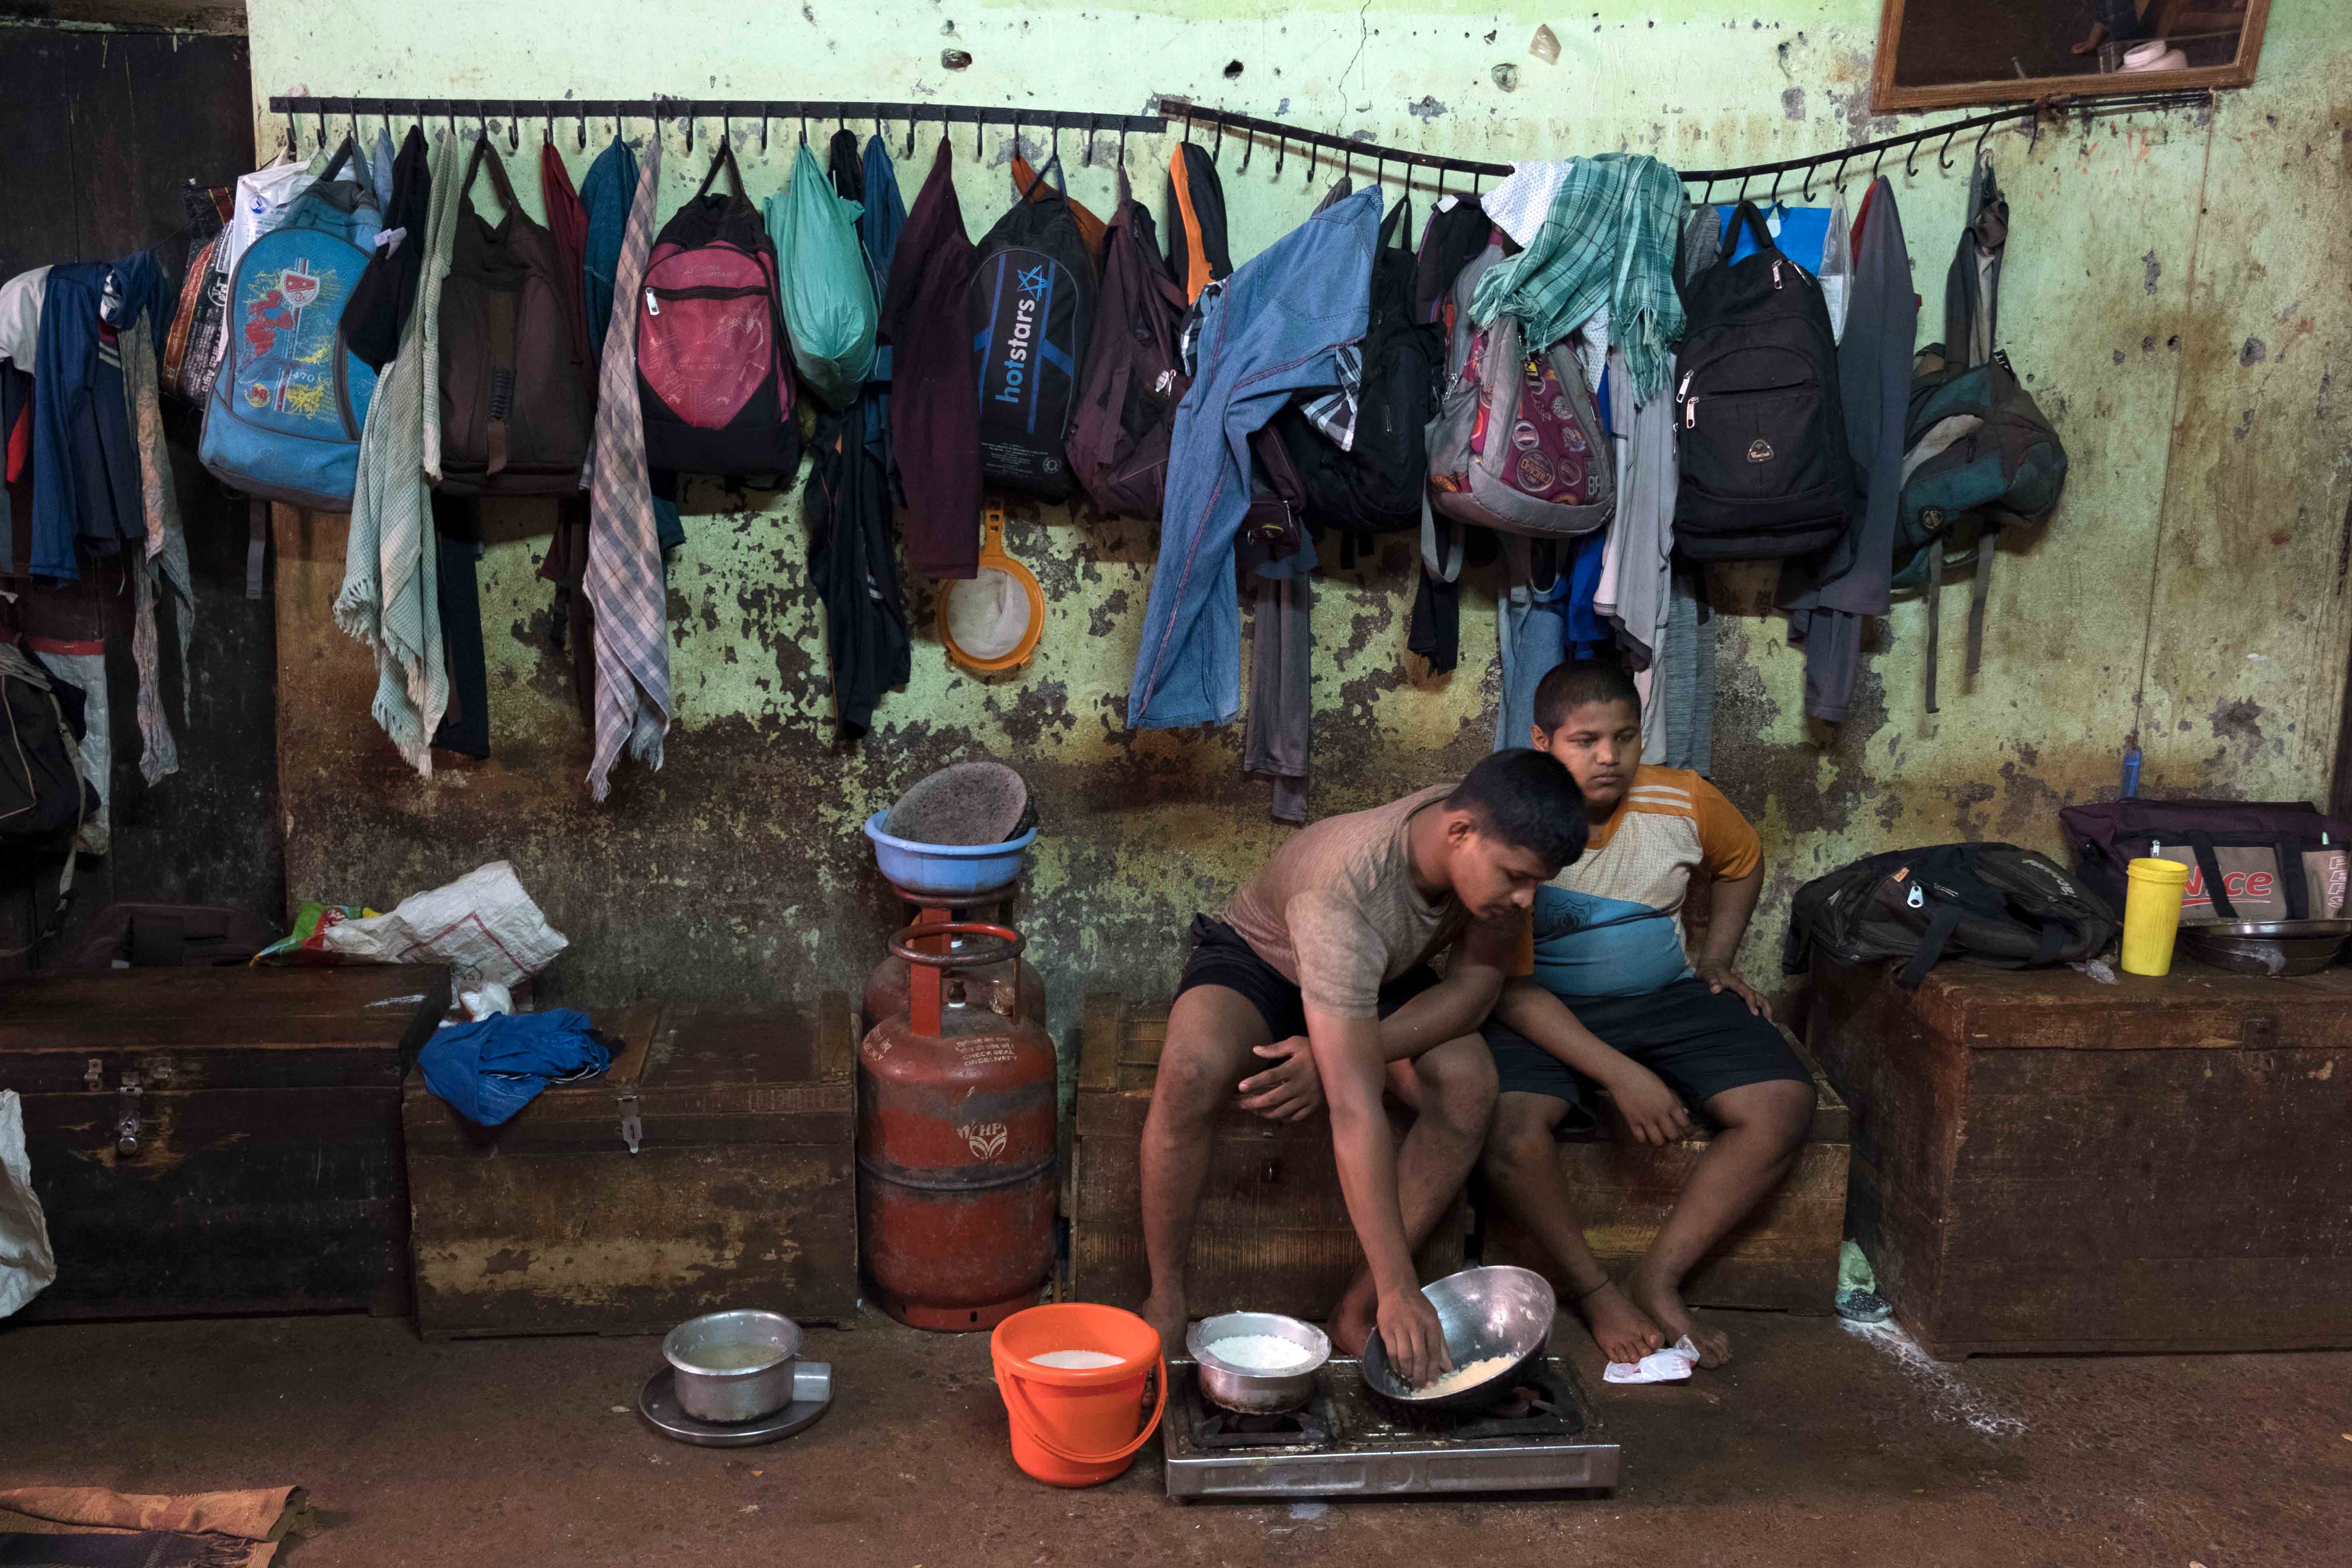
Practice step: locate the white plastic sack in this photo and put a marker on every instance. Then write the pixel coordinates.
(483, 925)
(26, 1264)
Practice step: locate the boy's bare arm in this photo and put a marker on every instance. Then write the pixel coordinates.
(1655, 1112)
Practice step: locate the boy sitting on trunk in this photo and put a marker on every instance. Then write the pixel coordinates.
(1319, 969)
(1615, 1003)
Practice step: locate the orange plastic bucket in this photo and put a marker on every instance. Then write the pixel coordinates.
(1074, 1426)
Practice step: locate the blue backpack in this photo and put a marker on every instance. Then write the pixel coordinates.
(284, 419)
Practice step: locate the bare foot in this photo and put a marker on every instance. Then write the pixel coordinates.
(1168, 1315)
(1663, 1302)
(1352, 1322)
(1622, 1330)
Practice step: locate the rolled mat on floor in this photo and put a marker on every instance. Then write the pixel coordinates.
(89, 1527)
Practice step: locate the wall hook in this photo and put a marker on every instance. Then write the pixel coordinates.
(1281, 151)
(1087, 158)
(1249, 145)
(1942, 160)
(1314, 161)
(1187, 125)
(727, 129)
(1122, 143)
(584, 128)
(481, 122)
(910, 133)
(1742, 199)
(976, 119)
(322, 124)
(1054, 143)
(1772, 196)
(805, 125)
(293, 139)
(1978, 156)
(514, 128)
(547, 137)
(1910, 153)
(1881, 158)
(1217, 151)
(1839, 184)
(1808, 197)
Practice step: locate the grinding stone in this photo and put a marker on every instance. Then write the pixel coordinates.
(969, 803)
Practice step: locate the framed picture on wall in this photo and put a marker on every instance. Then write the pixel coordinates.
(1940, 54)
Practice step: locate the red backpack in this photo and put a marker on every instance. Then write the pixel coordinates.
(713, 364)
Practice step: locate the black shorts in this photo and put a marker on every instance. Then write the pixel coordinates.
(1222, 956)
(1698, 1042)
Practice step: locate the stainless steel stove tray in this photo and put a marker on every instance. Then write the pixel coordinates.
(1370, 1454)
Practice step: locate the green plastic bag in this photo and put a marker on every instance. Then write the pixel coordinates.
(829, 306)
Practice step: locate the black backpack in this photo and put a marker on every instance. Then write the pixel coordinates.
(1993, 904)
(1375, 487)
(1033, 305)
(1765, 471)
(43, 797)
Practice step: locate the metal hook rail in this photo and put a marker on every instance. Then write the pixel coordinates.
(2085, 108)
(1166, 107)
(661, 107)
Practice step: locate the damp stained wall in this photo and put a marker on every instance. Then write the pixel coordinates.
(2175, 295)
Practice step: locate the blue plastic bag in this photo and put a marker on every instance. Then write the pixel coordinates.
(829, 306)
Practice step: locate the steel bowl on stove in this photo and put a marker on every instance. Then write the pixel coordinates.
(1485, 1312)
(1249, 1390)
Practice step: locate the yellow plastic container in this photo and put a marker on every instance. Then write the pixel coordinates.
(2152, 914)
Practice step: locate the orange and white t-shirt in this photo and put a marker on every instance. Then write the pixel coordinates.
(1670, 823)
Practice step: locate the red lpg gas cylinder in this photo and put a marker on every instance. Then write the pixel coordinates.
(955, 1138)
(886, 983)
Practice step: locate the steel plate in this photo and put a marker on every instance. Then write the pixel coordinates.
(658, 1403)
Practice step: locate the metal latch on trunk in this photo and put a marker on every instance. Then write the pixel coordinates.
(126, 1116)
(632, 1131)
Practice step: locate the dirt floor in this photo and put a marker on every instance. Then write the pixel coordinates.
(1816, 1447)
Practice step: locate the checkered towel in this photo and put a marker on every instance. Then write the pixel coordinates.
(623, 580)
(1609, 239)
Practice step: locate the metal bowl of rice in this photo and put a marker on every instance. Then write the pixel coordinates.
(1260, 1363)
(1497, 1321)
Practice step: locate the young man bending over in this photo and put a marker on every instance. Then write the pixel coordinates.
(1614, 1002)
(1319, 970)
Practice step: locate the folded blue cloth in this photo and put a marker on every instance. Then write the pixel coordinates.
(489, 1071)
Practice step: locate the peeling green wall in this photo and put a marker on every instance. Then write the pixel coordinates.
(2175, 294)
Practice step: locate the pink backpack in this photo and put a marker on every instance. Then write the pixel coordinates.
(1517, 444)
(713, 364)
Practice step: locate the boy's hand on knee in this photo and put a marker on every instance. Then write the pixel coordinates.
(1654, 1113)
(1721, 977)
(1291, 1090)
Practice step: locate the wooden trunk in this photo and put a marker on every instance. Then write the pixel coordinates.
(1272, 1233)
(2046, 1163)
(741, 1192)
(1784, 1256)
(219, 1140)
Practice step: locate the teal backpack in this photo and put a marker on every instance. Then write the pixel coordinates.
(1978, 455)
(283, 422)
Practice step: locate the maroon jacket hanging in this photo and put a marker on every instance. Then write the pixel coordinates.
(934, 383)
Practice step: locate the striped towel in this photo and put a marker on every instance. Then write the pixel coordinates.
(390, 598)
(624, 580)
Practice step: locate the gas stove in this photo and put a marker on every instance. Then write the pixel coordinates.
(1345, 1443)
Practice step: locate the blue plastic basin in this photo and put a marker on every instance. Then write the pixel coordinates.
(947, 870)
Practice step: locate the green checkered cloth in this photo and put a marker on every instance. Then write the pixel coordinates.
(1609, 236)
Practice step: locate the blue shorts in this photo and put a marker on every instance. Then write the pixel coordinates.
(1699, 1043)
